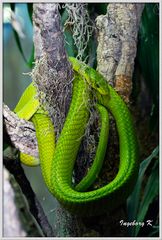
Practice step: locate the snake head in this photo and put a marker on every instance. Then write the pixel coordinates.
(93, 78)
(97, 81)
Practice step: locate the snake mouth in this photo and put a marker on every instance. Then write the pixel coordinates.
(102, 91)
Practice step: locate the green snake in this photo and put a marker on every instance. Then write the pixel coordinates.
(57, 162)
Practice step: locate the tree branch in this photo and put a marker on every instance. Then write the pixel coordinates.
(15, 168)
(52, 73)
(117, 44)
(19, 133)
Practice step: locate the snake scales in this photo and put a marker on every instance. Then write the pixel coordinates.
(57, 162)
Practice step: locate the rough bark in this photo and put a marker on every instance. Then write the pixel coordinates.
(21, 132)
(52, 73)
(117, 44)
(11, 223)
(14, 167)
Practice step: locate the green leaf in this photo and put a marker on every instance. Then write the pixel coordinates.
(5, 145)
(31, 60)
(148, 56)
(150, 192)
(154, 232)
(18, 42)
(19, 46)
(133, 201)
(30, 11)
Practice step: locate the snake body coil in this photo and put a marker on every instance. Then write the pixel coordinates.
(57, 163)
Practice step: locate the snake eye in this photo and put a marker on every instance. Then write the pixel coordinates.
(97, 85)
